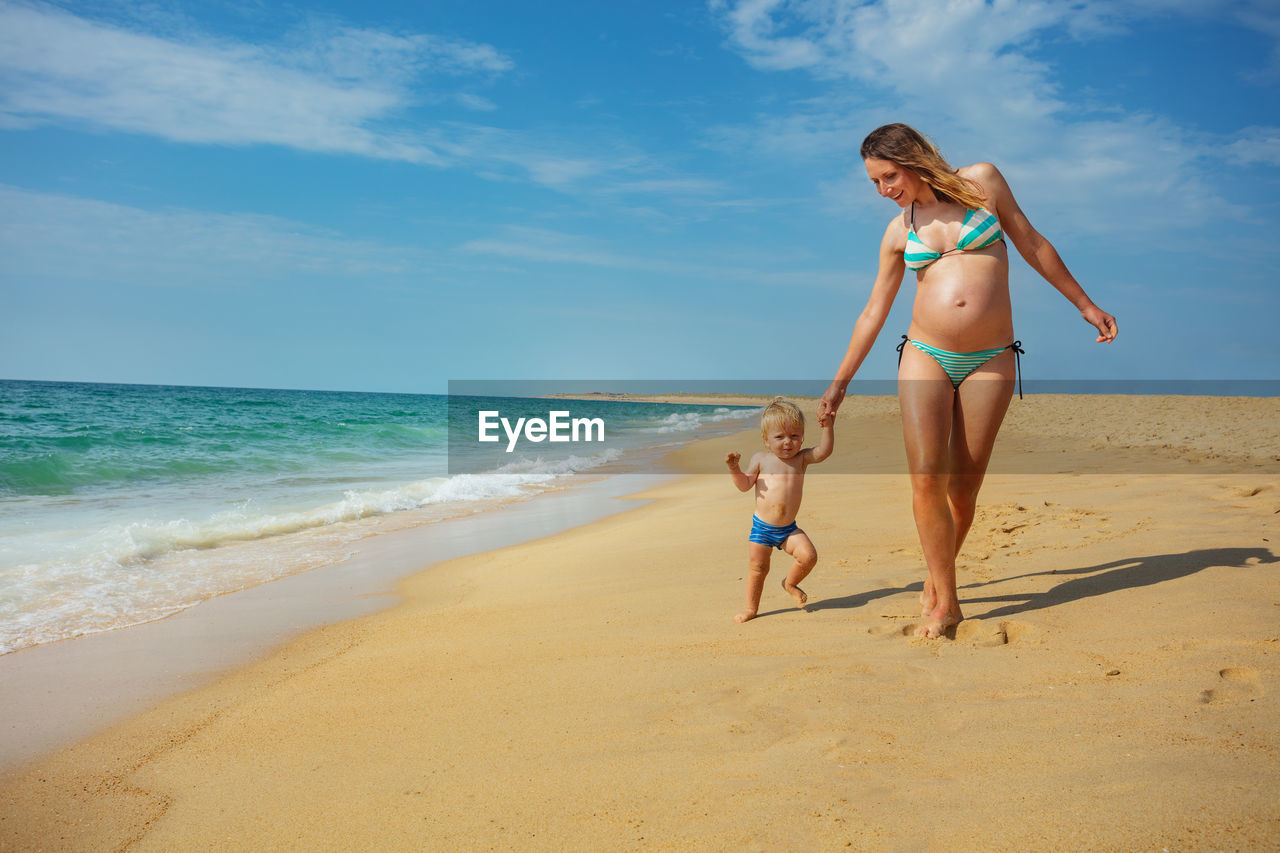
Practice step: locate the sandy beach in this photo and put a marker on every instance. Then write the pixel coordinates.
(1113, 687)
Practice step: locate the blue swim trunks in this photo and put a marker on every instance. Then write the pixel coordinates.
(768, 534)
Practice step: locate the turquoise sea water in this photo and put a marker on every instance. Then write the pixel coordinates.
(120, 504)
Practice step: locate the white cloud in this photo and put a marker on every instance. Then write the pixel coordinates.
(545, 246)
(758, 32)
(475, 102)
(49, 236)
(1256, 145)
(960, 58)
(500, 154)
(967, 72)
(328, 91)
(347, 53)
(322, 88)
(46, 235)
(811, 130)
(670, 186)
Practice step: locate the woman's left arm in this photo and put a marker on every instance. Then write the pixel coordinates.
(1038, 251)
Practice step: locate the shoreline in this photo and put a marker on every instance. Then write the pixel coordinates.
(56, 693)
(88, 683)
(140, 516)
(589, 689)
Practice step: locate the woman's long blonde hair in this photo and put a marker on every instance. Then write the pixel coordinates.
(906, 146)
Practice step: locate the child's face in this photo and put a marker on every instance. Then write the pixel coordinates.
(785, 440)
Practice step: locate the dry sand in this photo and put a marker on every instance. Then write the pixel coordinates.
(1114, 686)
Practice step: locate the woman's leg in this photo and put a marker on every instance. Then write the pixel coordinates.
(981, 403)
(949, 437)
(927, 400)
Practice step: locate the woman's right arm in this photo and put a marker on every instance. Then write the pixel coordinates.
(871, 320)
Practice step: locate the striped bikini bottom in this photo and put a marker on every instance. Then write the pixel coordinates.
(958, 365)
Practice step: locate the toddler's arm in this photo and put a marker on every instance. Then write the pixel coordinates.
(744, 480)
(827, 443)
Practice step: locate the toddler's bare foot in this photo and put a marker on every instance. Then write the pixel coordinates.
(937, 622)
(797, 593)
(745, 616)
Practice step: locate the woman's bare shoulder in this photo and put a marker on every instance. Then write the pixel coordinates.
(985, 175)
(990, 182)
(978, 171)
(895, 233)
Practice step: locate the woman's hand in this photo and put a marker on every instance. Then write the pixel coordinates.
(830, 401)
(1104, 322)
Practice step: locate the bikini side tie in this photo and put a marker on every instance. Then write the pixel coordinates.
(1016, 346)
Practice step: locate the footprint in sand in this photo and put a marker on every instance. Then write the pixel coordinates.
(972, 632)
(1256, 498)
(976, 632)
(892, 629)
(1235, 684)
(1013, 530)
(1237, 492)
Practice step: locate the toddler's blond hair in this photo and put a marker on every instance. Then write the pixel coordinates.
(780, 413)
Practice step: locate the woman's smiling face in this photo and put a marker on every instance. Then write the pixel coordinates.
(895, 182)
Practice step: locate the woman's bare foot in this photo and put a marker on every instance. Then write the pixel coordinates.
(797, 593)
(937, 622)
(745, 616)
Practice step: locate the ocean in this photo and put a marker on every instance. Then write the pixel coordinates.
(121, 504)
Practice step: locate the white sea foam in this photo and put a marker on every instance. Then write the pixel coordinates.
(145, 512)
(691, 421)
(128, 573)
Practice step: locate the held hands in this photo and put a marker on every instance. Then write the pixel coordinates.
(1104, 322)
(829, 403)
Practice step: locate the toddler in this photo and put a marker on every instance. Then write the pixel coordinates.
(778, 475)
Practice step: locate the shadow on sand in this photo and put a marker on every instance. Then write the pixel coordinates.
(846, 602)
(1130, 573)
(861, 599)
(1091, 581)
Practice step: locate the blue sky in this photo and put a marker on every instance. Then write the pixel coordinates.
(384, 196)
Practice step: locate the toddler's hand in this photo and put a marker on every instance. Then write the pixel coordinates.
(825, 418)
(732, 461)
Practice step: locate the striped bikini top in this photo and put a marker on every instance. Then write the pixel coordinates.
(979, 229)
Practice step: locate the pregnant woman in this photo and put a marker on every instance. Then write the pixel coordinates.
(958, 360)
